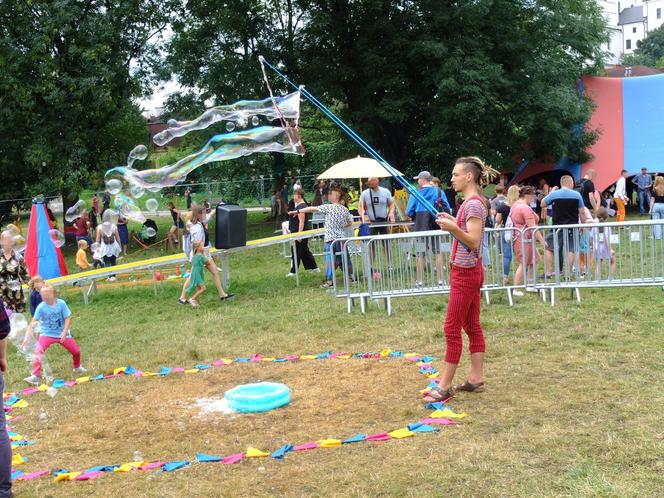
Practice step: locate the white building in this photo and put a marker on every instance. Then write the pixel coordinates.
(629, 22)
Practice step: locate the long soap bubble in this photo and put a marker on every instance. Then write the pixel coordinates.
(238, 113)
(27, 345)
(127, 208)
(57, 237)
(219, 148)
(138, 153)
(76, 211)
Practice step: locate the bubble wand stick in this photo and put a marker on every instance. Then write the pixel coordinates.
(353, 135)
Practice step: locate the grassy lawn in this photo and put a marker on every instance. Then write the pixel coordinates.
(573, 405)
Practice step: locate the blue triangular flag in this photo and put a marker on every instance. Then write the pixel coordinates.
(129, 370)
(438, 405)
(202, 457)
(425, 428)
(355, 439)
(98, 377)
(241, 360)
(202, 367)
(279, 454)
(171, 466)
(164, 371)
(16, 473)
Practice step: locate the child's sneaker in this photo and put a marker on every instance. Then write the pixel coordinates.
(79, 369)
(32, 379)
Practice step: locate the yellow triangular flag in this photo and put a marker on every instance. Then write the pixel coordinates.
(128, 467)
(21, 403)
(447, 413)
(255, 453)
(192, 371)
(343, 357)
(17, 459)
(308, 357)
(118, 370)
(401, 433)
(385, 352)
(268, 358)
(82, 380)
(329, 443)
(42, 387)
(68, 476)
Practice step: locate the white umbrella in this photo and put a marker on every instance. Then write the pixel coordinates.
(358, 167)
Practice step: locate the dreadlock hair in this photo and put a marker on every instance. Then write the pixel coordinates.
(483, 174)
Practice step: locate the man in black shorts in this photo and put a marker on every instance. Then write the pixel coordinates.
(377, 207)
(568, 208)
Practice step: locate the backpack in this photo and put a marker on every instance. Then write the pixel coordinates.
(508, 233)
(441, 208)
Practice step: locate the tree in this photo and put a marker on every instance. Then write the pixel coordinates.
(440, 79)
(423, 81)
(651, 48)
(649, 51)
(69, 74)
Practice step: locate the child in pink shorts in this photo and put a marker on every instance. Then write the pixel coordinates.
(54, 319)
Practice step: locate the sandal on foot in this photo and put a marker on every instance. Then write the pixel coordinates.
(436, 394)
(194, 303)
(227, 296)
(470, 387)
(183, 301)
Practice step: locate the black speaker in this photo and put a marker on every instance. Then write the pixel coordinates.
(231, 229)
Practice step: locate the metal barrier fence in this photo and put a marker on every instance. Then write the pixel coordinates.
(561, 257)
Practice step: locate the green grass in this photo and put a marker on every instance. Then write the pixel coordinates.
(573, 405)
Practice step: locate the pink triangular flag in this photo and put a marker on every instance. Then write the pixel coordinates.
(306, 446)
(88, 476)
(150, 466)
(230, 459)
(256, 358)
(383, 436)
(292, 357)
(32, 475)
(441, 421)
(178, 369)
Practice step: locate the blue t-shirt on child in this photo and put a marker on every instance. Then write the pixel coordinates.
(52, 318)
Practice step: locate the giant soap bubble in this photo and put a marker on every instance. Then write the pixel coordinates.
(57, 237)
(76, 211)
(221, 147)
(152, 205)
(127, 208)
(138, 153)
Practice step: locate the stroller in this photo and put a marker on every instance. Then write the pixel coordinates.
(148, 234)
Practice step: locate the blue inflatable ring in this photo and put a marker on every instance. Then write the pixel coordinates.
(259, 397)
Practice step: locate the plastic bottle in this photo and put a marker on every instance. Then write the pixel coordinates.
(47, 373)
(42, 416)
(138, 456)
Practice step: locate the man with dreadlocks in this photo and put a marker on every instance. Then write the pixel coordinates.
(469, 176)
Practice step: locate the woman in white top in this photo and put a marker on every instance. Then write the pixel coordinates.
(620, 196)
(108, 239)
(198, 231)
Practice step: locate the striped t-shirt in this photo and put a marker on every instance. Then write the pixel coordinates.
(472, 208)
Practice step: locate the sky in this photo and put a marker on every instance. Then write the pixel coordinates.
(160, 93)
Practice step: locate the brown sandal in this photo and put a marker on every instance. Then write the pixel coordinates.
(436, 394)
(470, 387)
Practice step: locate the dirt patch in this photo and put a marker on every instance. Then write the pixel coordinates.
(106, 422)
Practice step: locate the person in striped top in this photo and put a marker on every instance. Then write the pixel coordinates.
(469, 176)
